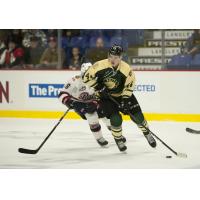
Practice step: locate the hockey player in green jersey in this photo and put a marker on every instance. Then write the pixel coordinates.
(114, 78)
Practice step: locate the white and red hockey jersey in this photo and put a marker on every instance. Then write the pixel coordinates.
(75, 88)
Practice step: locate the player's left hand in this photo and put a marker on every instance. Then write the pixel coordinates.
(125, 107)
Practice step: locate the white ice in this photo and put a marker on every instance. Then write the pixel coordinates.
(72, 145)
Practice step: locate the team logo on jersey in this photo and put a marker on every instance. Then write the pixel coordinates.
(110, 73)
(111, 83)
(84, 95)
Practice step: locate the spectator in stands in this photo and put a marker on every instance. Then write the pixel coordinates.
(75, 61)
(2, 49)
(17, 35)
(33, 53)
(2, 46)
(37, 33)
(51, 33)
(99, 43)
(49, 57)
(193, 43)
(97, 53)
(12, 56)
(69, 33)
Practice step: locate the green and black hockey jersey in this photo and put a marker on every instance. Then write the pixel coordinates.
(119, 81)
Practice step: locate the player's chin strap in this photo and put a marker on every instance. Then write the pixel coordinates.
(183, 155)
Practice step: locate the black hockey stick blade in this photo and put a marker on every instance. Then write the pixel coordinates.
(32, 151)
(27, 151)
(189, 130)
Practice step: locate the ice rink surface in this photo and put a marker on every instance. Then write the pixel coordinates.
(72, 145)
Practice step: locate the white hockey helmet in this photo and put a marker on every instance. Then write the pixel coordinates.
(85, 67)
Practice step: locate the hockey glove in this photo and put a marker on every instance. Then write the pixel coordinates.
(91, 107)
(69, 103)
(125, 106)
(103, 94)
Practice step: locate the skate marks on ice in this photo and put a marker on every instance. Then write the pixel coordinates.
(71, 151)
(73, 146)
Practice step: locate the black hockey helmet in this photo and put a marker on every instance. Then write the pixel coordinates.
(116, 50)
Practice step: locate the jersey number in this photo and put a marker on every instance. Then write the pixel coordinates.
(67, 86)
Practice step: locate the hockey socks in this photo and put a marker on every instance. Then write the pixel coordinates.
(116, 128)
(96, 130)
(143, 126)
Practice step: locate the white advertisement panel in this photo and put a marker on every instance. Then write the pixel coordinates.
(33, 90)
(156, 91)
(176, 92)
(157, 51)
(147, 91)
(172, 35)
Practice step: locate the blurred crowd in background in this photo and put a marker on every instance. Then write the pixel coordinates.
(39, 49)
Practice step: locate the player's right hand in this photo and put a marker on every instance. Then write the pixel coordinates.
(103, 94)
(70, 103)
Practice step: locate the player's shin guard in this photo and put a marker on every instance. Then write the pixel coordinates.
(142, 123)
(119, 139)
(107, 123)
(96, 130)
(147, 134)
(116, 128)
(95, 127)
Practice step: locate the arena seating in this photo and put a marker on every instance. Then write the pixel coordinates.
(196, 61)
(143, 46)
(180, 62)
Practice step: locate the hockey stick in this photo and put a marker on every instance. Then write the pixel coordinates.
(34, 151)
(192, 131)
(182, 155)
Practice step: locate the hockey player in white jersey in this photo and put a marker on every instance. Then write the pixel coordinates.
(78, 96)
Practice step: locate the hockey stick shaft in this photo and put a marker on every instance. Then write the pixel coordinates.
(132, 117)
(53, 129)
(21, 150)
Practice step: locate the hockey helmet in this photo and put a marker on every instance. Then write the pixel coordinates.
(116, 50)
(85, 67)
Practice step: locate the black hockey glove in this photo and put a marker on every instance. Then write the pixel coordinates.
(91, 107)
(103, 94)
(70, 103)
(125, 106)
